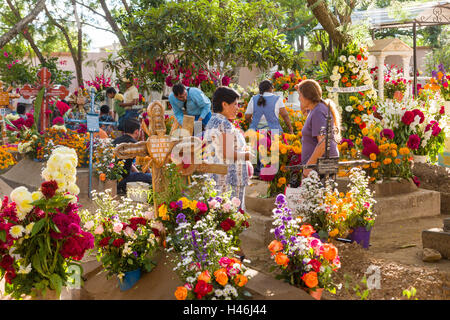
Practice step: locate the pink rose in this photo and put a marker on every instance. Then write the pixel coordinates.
(88, 225)
(212, 203)
(128, 231)
(224, 262)
(188, 286)
(99, 230)
(111, 165)
(236, 202)
(227, 207)
(117, 227)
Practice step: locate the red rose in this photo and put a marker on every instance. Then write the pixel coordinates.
(408, 117)
(362, 125)
(227, 224)
(104, 242)
(49, 188)
(285, 86)
(315, 264)
(118, 243)
(442, 111)
(9, 276)
(155, 232)
(245, 224)
(202, 289)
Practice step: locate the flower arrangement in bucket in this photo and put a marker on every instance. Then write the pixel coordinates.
(126, 237)
(40, 234)
(302, 260)
(204, 261)
(106, 166)
(439, 82)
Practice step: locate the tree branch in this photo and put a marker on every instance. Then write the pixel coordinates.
(5, 38)
(97, 13)
(26, 34)
(113, 24)
(97, 27)
(127, 7)
(298, 26)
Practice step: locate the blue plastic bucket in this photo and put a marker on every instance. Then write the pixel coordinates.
(129, 279)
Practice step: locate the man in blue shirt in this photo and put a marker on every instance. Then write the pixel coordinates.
(191, 101)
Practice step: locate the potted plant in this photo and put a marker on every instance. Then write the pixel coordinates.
(302, 260)
(108, 169)
(40, 234)
(360, 218)
(126, 238)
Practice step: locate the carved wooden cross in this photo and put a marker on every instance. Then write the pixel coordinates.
(50, 91)
(158, 149)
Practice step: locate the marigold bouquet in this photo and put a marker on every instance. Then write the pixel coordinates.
(126, 236)
(302, 259)
(40, 234)
(6, 158)
(106, 166)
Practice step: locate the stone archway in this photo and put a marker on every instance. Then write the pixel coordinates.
(383, 48)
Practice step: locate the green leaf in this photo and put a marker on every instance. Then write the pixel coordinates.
(36, 263)
(56, 282)
(38, 226)
(3, 235)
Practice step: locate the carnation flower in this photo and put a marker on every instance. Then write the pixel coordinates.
(416, 181)
(58, 121)
(419, 113)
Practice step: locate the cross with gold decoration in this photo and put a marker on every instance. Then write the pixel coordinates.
(157, 150)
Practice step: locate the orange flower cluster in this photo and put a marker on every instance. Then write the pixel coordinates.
(6, 158)
(70, 139)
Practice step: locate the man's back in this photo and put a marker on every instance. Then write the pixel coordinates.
(128, 162)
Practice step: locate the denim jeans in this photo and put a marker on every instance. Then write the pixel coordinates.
(135, 177)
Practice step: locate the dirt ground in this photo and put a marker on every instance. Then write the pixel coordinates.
(395, 249)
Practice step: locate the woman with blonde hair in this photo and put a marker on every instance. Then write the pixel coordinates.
(313, 132)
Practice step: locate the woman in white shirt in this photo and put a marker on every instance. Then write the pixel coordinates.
(265, 108)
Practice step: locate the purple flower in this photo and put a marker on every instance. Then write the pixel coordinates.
(180, 204)
(180, 218)
(135, 254)
(441, 67)
(434, 74)
(281, 199)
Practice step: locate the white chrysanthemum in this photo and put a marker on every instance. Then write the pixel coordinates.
(218, 293)
(37, 195)
(16, 231)
(22, 197)
(342, 58)
(73, 189)
(351, 59)
(349, 108)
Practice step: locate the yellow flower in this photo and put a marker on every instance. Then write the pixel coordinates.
(282, 181)
(341, 69)
(334, 233)
(397, 161)
(365, 131)
(387, 161)
(373, 156)
(404, 151)
(186, 202)
(162, 211)
(394, 153)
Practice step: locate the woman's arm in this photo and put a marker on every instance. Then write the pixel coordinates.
(318, 152)
(285, 115)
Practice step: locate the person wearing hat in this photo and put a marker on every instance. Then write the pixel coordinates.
(130, 99)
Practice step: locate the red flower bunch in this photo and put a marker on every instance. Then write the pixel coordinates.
(388, 133)
(369, 147)
(202, 289)
(82, 129)
(118, 243)
(419, 113)
(48, 188)
(104, 242)
(413, 142)
(315, 264)
(58, 121)
(135, 221)
(408, 117)
(227, 224)
(62, 107)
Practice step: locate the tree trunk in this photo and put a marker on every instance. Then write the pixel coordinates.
(127, 7)
(73, 52)
(113, 24)
(26, 34)
(79, 67)
(5, 38)
(328, 21)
